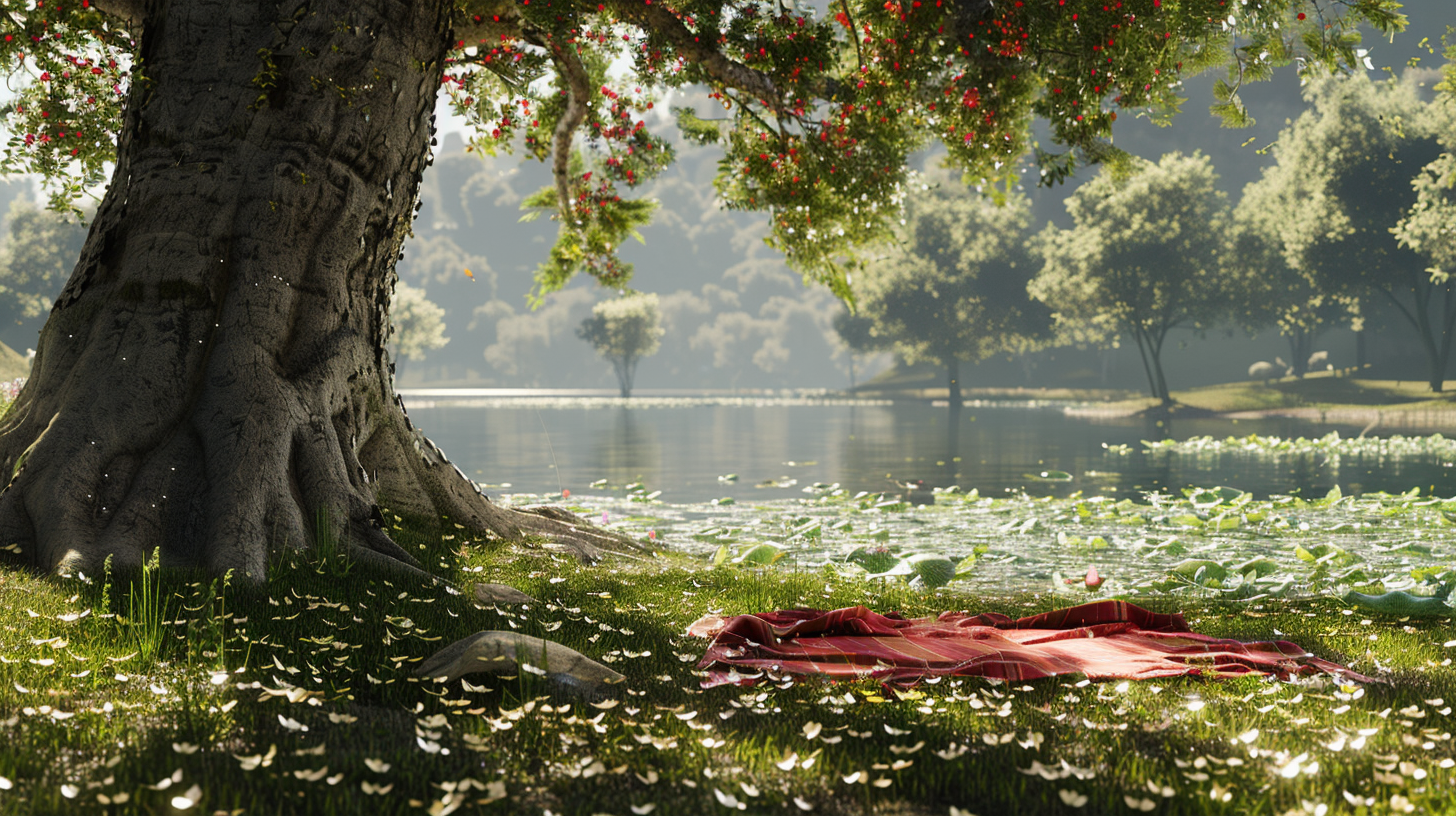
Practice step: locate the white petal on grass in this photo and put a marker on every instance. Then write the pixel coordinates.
(643, 810)
(6, 784)
(1143, 804)
(376, 765)
(369, 787)
(1072, 798)
(788, 762)
(184, 748)
(291, 724)
(801, 804)
(188, 799)
(812, 729)
(728, 800)
(1249, 736)
(70, 791)
(218, 678)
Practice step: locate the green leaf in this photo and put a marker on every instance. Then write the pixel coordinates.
(762, 555)
(933, 570)
(877, 560)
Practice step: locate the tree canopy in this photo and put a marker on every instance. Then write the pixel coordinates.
(1266, 289)
(1347, 212)
(624, 330)
(819, 111)
(1141, 259)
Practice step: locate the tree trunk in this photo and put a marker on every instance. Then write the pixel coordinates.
(953, 386)
(1301, 343)
(626, 370)
(1152, 365)
(213, 376)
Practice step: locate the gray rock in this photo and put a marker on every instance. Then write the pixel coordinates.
(511, 652)
(500, 595)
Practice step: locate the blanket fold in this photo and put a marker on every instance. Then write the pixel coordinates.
(1103, 640)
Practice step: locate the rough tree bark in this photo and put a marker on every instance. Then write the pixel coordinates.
(214, 375)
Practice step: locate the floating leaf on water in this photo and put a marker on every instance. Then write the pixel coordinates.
(1399, 603)
(761, 554)
(874, 559)
(1260, 566)
(934, 570)
(730, 477)
(1200, 571)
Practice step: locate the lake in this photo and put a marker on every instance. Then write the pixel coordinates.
(686, 448)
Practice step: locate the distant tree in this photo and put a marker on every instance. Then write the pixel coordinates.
(36, 259)
(624, 331)
(1141, 260)
(419, 324)
(1430, 226)
(1345, 172)
(1266, 289)
(954, 290)
(857, 332)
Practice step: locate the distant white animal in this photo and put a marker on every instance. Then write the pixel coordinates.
(1264, 371)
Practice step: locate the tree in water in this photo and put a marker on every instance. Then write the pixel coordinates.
(1344, 188)
(214, 374)
(624, 330)
(417, 325)
(1141, 259)
(954, 290)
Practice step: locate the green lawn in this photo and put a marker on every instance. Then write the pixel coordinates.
(1317, 390)
(301, 698)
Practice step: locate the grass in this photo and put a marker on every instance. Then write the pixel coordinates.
(1326, 390)
(300, 697)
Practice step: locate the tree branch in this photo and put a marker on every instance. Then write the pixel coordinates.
(578, 91)
(128, 12)
(656, 19)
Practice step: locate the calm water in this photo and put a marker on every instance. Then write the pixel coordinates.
(682, 447)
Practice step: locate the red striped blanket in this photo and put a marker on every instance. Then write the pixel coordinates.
(1105, 639)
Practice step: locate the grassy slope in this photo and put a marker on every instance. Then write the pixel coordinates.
(300, 699)
(1317, 391)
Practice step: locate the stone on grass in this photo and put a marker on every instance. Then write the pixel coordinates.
(510, 653)
(500, 595)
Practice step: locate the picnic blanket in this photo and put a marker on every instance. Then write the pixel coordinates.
(1104, 639)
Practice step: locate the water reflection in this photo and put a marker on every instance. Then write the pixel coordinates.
(683, 447)
(630, 453)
